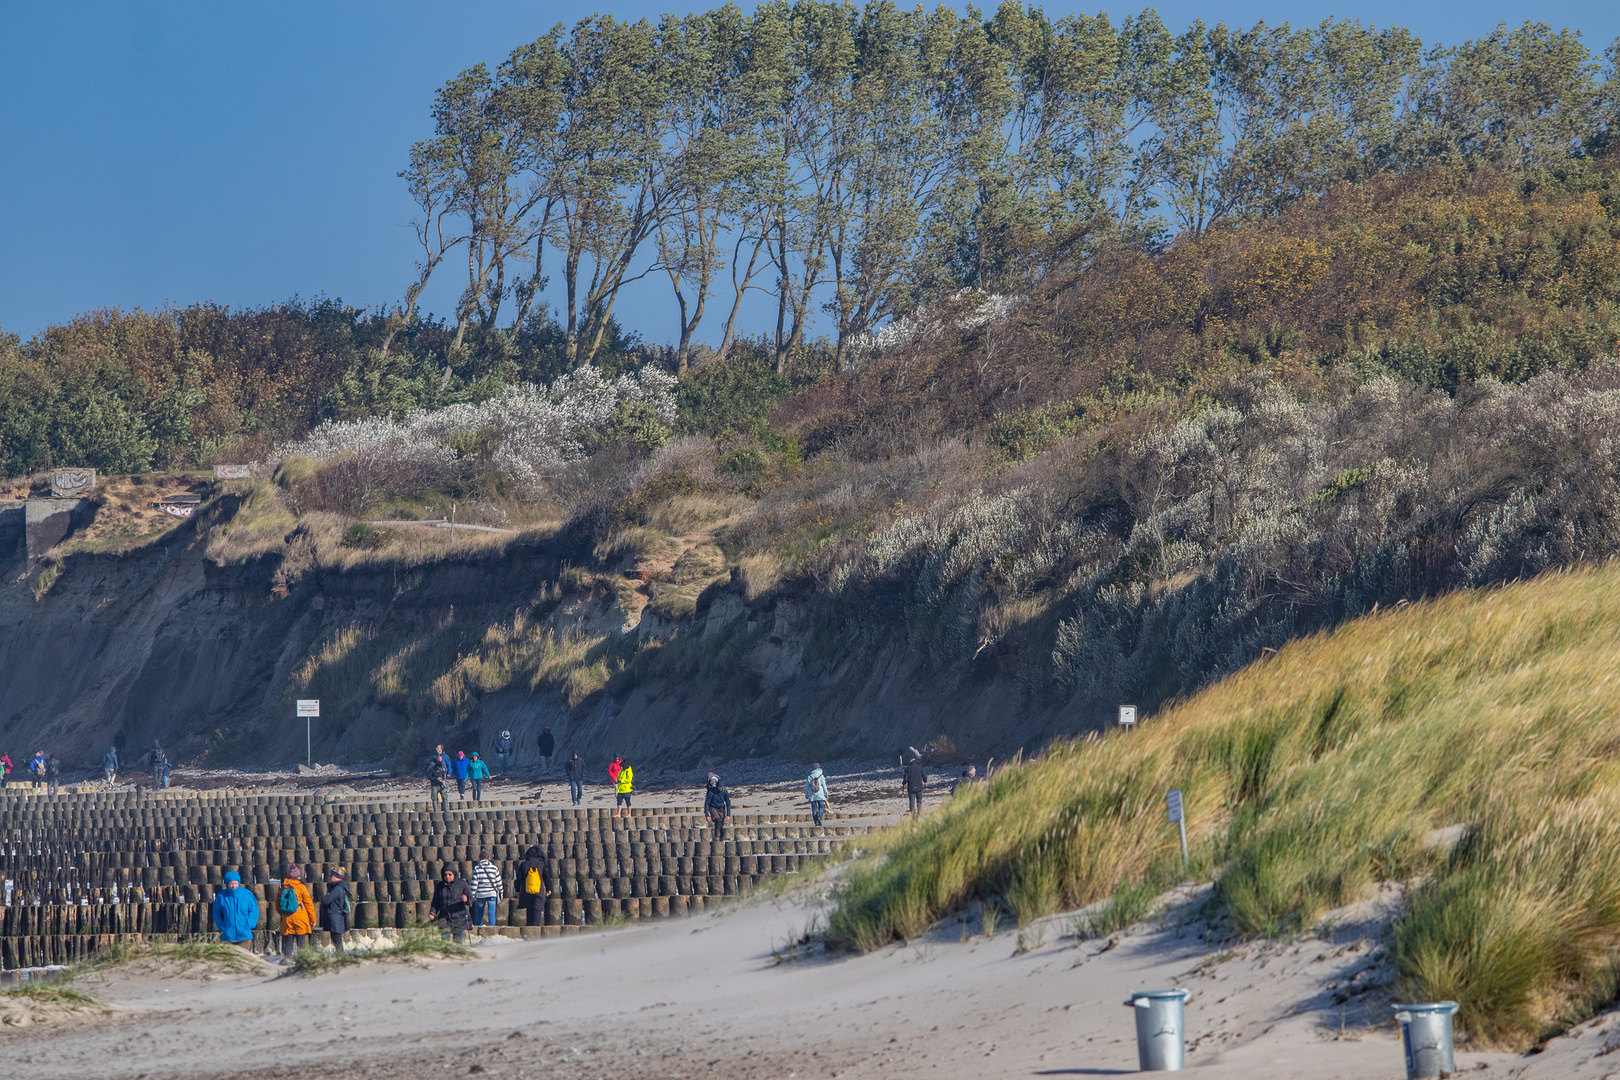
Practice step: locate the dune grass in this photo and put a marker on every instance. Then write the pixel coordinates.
(1319, 771)
(411, 945)
(55, 993)
(213, 956)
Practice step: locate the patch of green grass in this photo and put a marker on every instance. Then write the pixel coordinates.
(411, 945)
(214, 955)
(55, 993)
(1311, 776)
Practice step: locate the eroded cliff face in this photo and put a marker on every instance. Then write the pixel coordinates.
(164, 644)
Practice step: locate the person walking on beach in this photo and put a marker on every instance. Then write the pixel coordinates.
(477, 772)
(531, 885)
(916, 781)
(36, 770)
(437, 798)
(452, 904)
(624, 786)
(503, 753)
(336, 907)
(461, 774)
(717, 806)
(574, 768)
(486, 886)
(5, 771)
(547, 744)
(815, 789)
(109, 766)
(159, 758)
(297, 910)
(53, 775)
(236, 912)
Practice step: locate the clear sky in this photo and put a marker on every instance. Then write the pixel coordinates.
(246, 153)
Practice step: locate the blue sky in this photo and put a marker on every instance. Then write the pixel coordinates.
(245, 153)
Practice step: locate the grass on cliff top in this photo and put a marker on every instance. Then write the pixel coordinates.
(1315, 773)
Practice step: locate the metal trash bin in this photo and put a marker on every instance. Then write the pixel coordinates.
(1160, 1029)
(1426, 1035)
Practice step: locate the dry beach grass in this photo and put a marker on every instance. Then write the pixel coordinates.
(1322, 770)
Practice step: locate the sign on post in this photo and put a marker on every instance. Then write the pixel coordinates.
(1178, 817)
(308, 708)
(1127, 715)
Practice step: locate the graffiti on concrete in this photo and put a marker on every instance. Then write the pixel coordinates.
(72, 483)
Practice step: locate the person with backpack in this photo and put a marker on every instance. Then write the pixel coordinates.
(503, 753)
(158, 760)
(437, 799)
(623, 787)
(236, 912)
(53, 775)
(815, 789)
(486, 886)
(547, 744)
(5, 771)
(717, 806)
(452, 904)
(477, 772)
(574, 769)
(336, 907)
(916, 781)
(531, 885)
(461, 773)
(109, 766)
(297, 909)
(36, 770)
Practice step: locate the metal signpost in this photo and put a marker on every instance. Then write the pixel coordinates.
(308, 708)
(1127, 716)
(1177, 817)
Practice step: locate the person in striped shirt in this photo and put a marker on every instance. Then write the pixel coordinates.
(486, 884)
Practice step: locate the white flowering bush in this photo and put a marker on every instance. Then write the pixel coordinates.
(1168, 561)
(535, 430)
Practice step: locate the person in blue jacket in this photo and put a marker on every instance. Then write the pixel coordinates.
(236, 912)
(462, 767)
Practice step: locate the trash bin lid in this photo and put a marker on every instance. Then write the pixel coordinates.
(1143, 996)
(1429, 1007)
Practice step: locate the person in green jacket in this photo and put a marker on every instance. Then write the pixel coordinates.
(478, 772)
(623, 788)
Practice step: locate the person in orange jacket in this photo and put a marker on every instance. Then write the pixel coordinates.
(297, 909)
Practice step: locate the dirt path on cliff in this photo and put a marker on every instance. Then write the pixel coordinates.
(712, 997)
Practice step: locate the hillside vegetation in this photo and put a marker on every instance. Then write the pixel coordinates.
(1135, 479)
(1311, 775)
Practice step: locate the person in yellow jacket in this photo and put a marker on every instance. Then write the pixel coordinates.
(297, 910)
(625, 782)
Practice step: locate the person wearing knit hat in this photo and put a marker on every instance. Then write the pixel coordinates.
(297, 910)
(236, 912)
(336, 907)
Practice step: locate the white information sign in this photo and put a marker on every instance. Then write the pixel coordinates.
(1175, 805)
(309, 706)
(1127, 715)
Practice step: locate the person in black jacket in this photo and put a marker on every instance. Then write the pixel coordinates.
(916, 780)
(534, 903)
(452, 903)
(438, 798)
(574, 768)
(335, 907)
(548, 746)
(717, 806)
